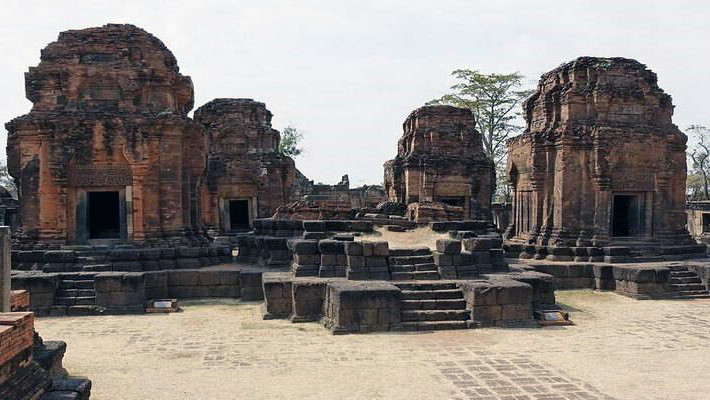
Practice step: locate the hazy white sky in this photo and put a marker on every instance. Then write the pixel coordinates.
(347, 73)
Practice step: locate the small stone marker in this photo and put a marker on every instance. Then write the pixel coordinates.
(552, 317)
(162, 306)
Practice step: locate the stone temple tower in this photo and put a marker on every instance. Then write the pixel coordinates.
(107, 151)
(440, 159)
(600, 163)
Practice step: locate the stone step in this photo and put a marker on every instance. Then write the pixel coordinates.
(414, 251)
(441, 304)
(435, 315)
(97, 267)
(443, 285)
(413, 268)
(402, 268)
(75, 301)
(413, 276)
(85, 310)
(688, 286)
(83, 284)
(75, 293)
(676, 280)
(678, 268)
(693, 293)
(411, 260)
(431, 294)
(433, 325)
(682, 274)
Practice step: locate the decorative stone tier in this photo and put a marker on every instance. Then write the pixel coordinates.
(345, 306)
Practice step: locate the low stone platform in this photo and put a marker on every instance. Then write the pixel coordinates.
(685, 279)
(356, 306)
(631, 252)
(90, 293)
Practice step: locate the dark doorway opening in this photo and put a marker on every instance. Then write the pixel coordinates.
(625, 216)
(104, 215)
(453, 201)
(238, 214)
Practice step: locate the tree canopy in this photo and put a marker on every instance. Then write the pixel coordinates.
(290, 139)
(698, 181)
(495, 102)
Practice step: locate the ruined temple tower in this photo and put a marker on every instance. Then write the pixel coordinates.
(247, 177)
(440, 159)
(107, 151)
(600, 162)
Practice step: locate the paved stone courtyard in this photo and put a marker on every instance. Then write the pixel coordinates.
(618, 349)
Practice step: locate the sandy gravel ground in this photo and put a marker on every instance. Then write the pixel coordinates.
(619, 348)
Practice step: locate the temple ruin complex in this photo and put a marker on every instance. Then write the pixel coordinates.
(125, 202)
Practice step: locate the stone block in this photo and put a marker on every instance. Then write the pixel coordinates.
(380, 249)
(60, 256)
(315, 235)
(301, 246)
(516, 312)
(443, 260)
(166, 264)
(188, 263)
(336, 226)
(329, 260)
(328, 246)
(307, 259)
(367, 249)
(188, 252)
(356, 262)
(353, 248)
(375, 262)
(477, 244)
(208, 277)
(448, 246)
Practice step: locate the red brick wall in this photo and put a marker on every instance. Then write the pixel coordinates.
(16, 334)
(19, 300)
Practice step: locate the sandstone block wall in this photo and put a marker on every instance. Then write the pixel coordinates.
(467, 258)
(361, 307)
(499, 302)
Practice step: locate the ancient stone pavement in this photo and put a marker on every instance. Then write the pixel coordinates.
(619, 349)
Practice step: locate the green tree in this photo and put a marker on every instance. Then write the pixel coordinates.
(699, 174)
(495, 102)
(290, 139)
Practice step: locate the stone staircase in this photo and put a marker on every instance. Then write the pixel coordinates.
(412, 264)
(75, 295)
(686, 284)
(433, 305)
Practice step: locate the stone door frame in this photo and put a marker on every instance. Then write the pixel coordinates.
(125, 211)
(224, 217)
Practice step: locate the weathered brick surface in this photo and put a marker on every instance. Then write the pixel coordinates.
(446, 137)
(596, 127)
(112, 108)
